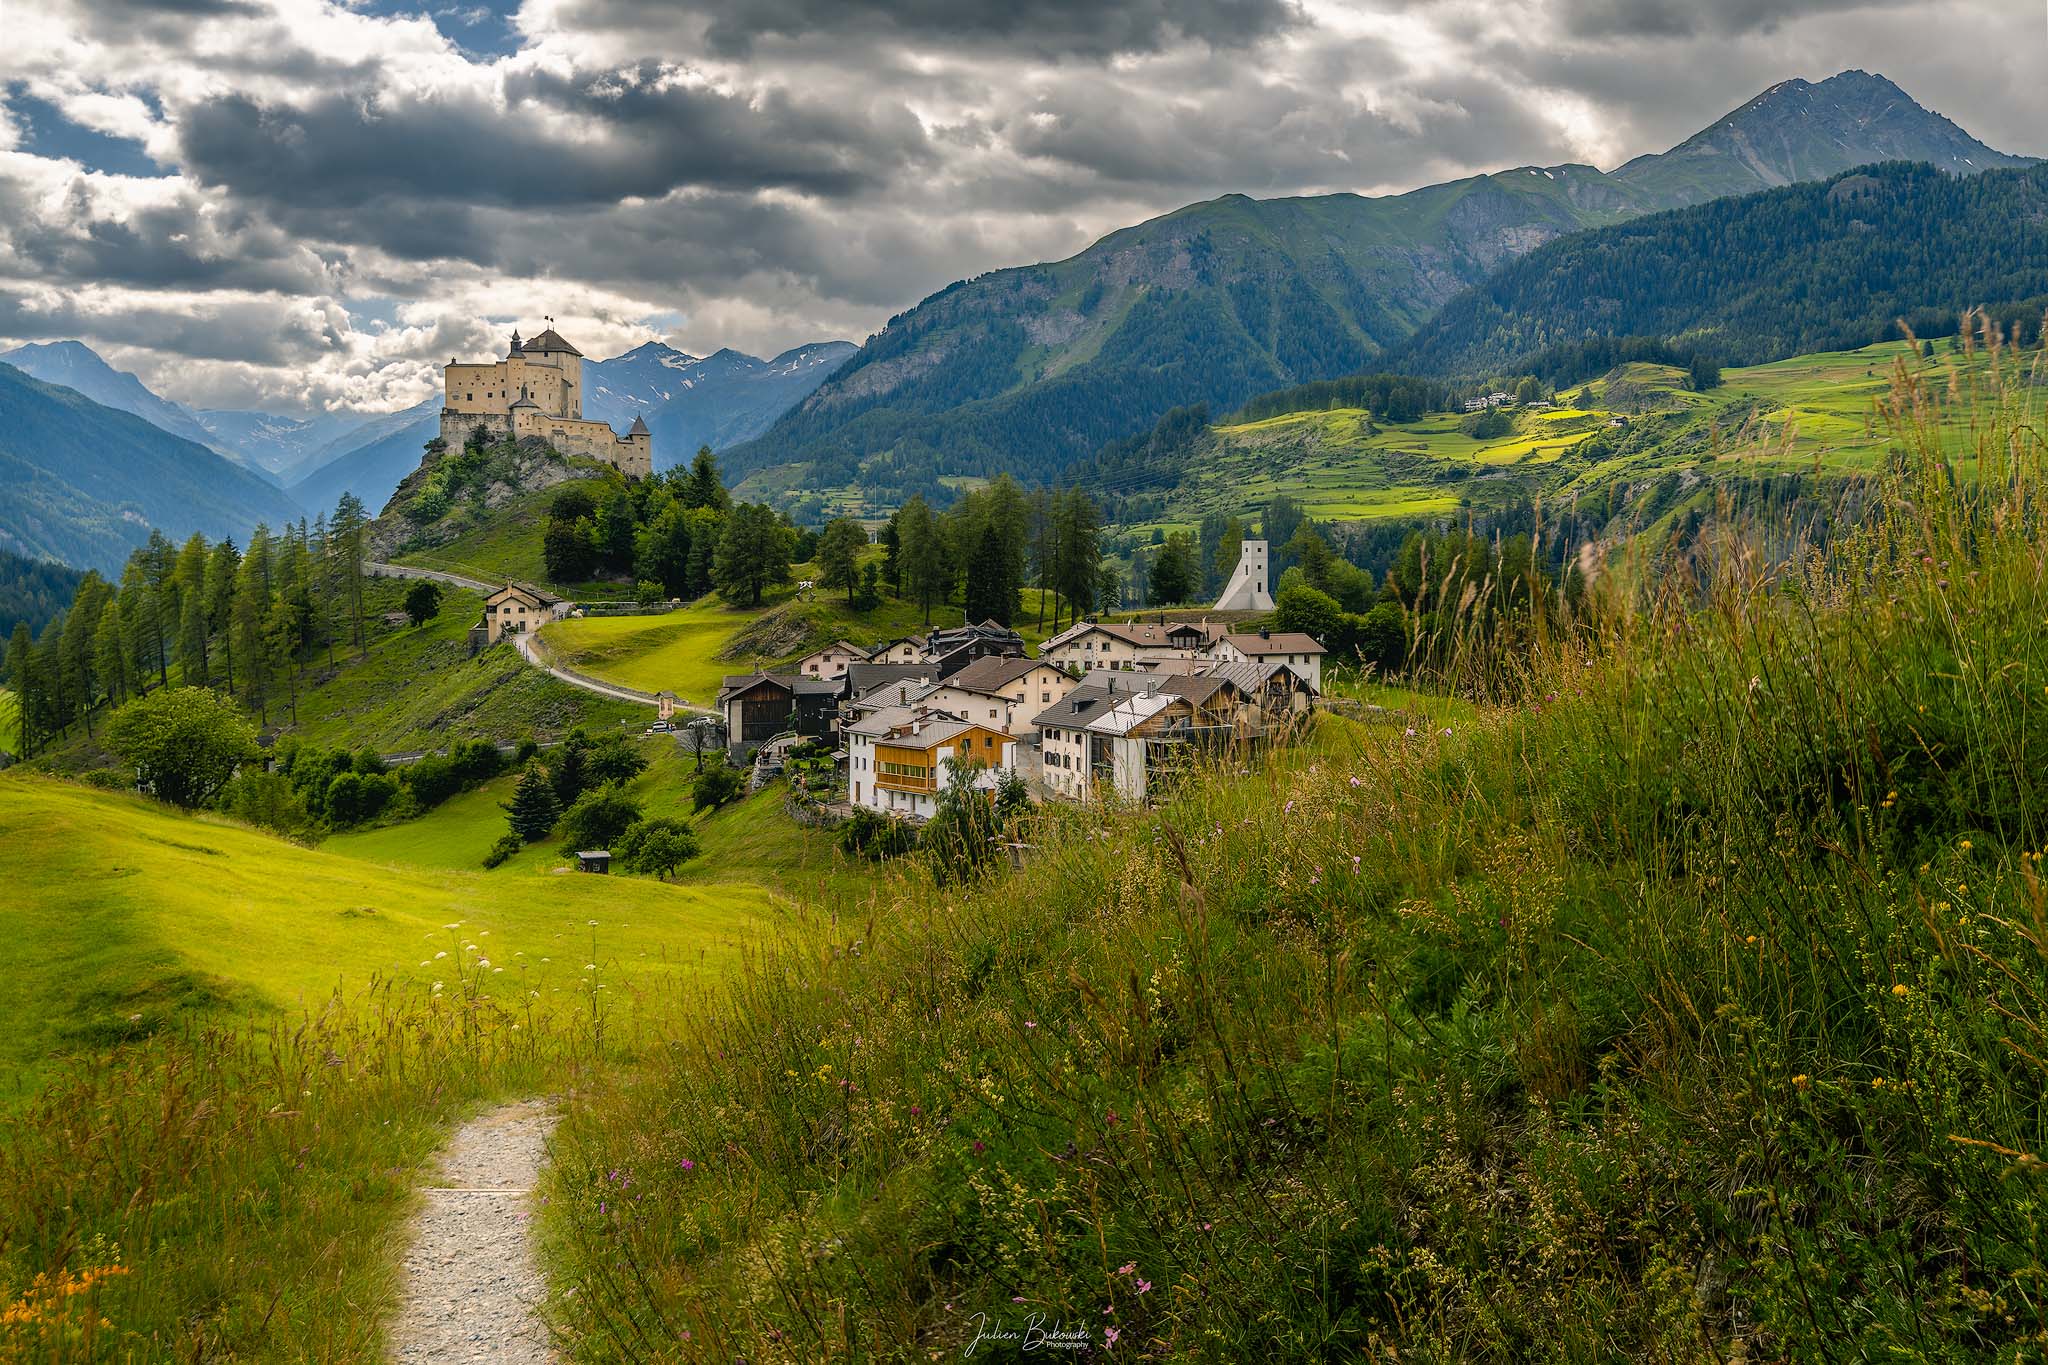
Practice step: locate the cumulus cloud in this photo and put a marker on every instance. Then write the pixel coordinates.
(350, 193)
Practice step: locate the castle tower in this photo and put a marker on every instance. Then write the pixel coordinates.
(1247, 589)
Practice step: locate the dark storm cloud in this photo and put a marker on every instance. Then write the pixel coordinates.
(1690, 18)
(1042, 29)
(635, 134)
(243, 332)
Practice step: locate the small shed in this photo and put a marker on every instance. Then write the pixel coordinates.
(594, 860)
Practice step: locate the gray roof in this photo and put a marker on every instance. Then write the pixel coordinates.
(639, 427)
(1073, 711)
(862, 678)
(550, 340)
(994, 671)
(1126, 714)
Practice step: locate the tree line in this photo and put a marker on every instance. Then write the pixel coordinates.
(994, 542)
(248, 620)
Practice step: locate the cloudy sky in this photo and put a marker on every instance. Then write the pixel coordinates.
(299, 204)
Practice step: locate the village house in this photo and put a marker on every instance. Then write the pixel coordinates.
(1010, 690)
(907, 649)
(513, 610)
(1298, 650)
(900, 758)
(832, 661)
(760, 706)
(1135, 644)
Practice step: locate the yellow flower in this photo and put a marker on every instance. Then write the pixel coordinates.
(1964, 845)
(1877, 1083)
(1750, 939)
(1802, 1081)
(1902, 990)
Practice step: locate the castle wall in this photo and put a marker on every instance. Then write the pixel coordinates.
(630, 455)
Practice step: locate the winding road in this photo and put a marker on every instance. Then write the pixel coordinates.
(529, 645)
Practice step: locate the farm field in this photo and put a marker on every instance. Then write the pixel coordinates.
(1340, 464)
(126, 917)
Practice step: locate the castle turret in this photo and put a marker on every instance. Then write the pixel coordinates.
(515, 345)
(639, 428)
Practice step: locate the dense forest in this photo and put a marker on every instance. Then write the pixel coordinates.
(1810, 267)
(33, 590)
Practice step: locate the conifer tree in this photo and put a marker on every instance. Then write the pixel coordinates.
(534, 808)
(21, 668)
(110, 654)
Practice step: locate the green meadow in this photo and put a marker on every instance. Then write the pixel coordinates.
(128, 918)
(1812, 411)
(689, 651)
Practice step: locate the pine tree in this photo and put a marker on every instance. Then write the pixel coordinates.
(704, 488)
(221, 567)
(21, 676)
(533, 809)
(110, 654)
(839, 555)
(991, 595)
(347, 534)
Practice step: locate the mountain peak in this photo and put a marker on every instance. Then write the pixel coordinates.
(1807, 130)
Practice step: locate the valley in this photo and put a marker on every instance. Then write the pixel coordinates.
(1444, 774)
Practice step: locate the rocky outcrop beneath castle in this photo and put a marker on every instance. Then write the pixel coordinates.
(456, 491)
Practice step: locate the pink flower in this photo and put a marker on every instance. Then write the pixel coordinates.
(688, 1164)
(978, 1148)
(1127, 1268)
(1354, 781)
(1109, 1336)
(1144, 1286)
(1030, 1023)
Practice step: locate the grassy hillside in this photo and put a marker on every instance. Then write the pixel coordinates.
(1819, 412)
(750, 841)
(1685, 1004)
(128, 918)
(419, 687)
(689, 651)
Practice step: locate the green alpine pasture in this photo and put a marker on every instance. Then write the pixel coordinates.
(127, 918)
(1820, 411)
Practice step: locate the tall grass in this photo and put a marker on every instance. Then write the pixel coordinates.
(239, 1193)
(1691, 1006)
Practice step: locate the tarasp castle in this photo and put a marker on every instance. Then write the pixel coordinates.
(537, 390)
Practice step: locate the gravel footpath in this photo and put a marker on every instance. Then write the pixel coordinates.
(472, 1286)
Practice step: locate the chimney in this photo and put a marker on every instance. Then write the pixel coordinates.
(1264, 633)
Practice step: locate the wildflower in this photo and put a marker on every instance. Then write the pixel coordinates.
(438, 956)
(483, 962)
(1288, 809)
(1354, 781)
(591, 922)
(1964, 846)
(1802, 1081)
(1127, 1268)
(1902, 990)
(1016, 1298)
(978, 1148)
(1030, 1023)
(1144, 1286)
(1109, 1336)
(1877, 1082)
(1447, 732)
(1750, 939)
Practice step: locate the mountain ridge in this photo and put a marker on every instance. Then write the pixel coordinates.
(1030, 368)
(83, 483)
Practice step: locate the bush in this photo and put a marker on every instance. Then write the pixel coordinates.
(183, 742)
(613, 759)
(715, 786)
(873, 835)
(268, 800)
(658, 846)
(598, 818)
(431, 780)
(354, 797)
(504, 850)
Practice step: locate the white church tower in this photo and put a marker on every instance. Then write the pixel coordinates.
(1247, 589)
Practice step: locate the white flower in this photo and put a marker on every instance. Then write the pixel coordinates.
(483, 962)
(438, 956)
(437, 985)
(590, 966)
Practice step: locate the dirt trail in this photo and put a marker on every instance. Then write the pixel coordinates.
(472, 1285)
